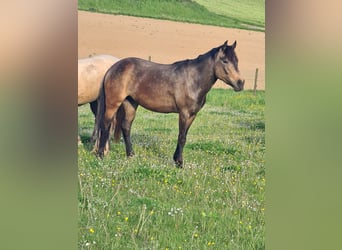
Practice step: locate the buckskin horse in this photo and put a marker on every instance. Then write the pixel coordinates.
(90, 75)
(180, 87)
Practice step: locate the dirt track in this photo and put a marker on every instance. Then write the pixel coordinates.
(167, 42)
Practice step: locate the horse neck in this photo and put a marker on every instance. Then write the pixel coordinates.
(205, 67)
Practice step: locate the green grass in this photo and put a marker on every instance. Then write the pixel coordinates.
(243, 14)
(217, 201)
(247, 11)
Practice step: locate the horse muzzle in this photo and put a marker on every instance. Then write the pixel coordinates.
(239, 85)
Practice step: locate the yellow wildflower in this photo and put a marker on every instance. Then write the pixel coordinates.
(211, 243)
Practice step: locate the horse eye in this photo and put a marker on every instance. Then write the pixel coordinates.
(225, 61)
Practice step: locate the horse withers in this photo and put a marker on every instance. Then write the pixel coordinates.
(180, 87)
(91, 71)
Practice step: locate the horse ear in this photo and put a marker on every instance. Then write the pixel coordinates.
(234, 45)
(224, 46)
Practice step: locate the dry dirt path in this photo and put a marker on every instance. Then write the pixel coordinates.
(167, 41)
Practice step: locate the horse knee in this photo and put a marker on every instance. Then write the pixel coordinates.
(182, 140)
(106, 123)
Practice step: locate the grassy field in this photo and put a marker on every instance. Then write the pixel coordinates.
(247, 11)
(217, 201)
(243, 14)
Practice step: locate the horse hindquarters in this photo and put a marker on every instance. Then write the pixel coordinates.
(108, 105)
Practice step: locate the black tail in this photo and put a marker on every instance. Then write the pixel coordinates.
(101, 109)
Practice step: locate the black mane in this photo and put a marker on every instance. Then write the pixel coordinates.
(199, 58)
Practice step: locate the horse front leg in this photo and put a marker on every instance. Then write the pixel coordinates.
(185, 122)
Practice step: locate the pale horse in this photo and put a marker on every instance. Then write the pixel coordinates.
(91, 71)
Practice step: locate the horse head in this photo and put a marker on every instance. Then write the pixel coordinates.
(226, 66)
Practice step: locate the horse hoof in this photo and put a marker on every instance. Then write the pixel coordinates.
(179, 164)
(100, 155)
(130, 154)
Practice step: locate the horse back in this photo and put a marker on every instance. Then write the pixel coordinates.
(157, 87)
(90, 75)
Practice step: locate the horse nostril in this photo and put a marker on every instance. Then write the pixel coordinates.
(240, 84)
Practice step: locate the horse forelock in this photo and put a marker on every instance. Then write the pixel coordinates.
(231, 55)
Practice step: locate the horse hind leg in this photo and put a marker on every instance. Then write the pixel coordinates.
(130, 107)
(105, 127)
(94, 139)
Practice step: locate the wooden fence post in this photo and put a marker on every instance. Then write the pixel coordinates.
(255, 80)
